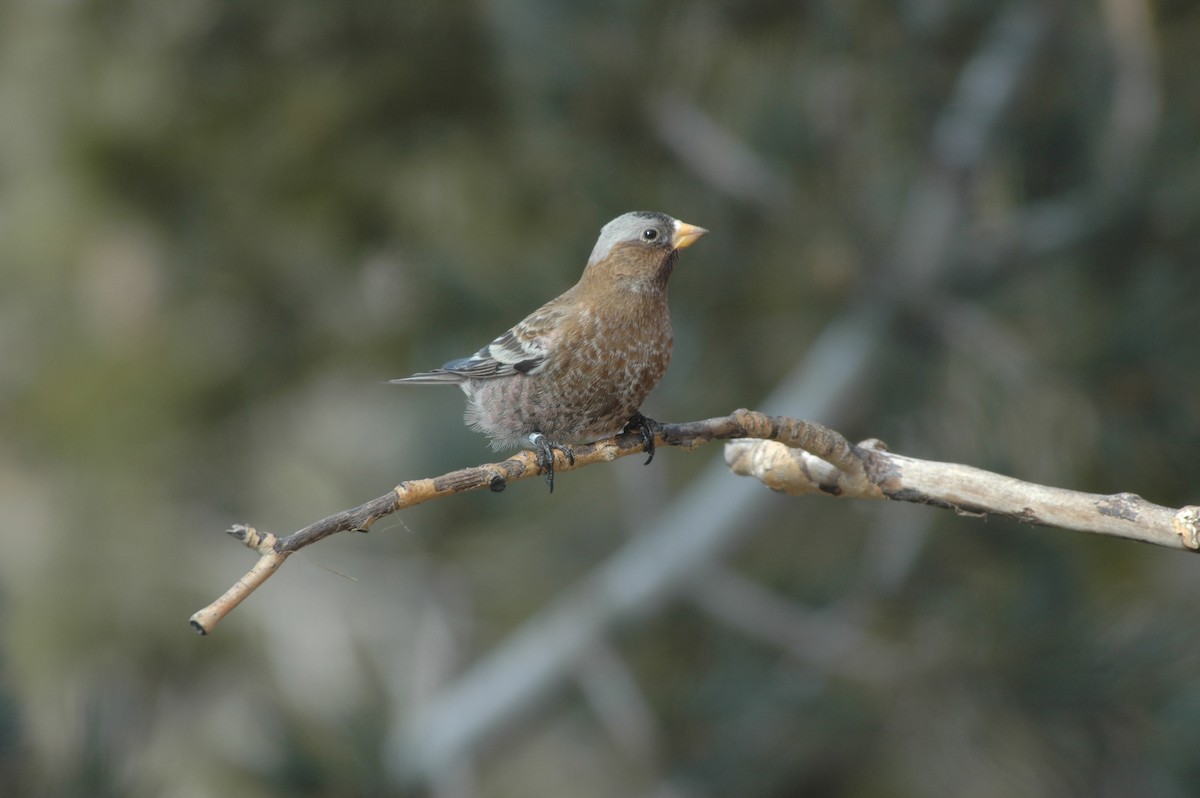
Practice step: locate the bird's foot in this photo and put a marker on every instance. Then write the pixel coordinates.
(545, 455)
(648, 428)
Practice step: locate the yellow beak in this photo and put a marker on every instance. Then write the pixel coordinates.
(686, 234)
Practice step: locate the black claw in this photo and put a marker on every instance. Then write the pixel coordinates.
(545, 457)
(648, 428)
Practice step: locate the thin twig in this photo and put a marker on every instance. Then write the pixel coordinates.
(496, 476)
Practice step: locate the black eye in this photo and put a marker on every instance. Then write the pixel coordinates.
(649, 234)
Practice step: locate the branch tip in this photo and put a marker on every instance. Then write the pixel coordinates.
(1187, 525)
(240, 531)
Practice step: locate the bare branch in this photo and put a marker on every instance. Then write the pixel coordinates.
(496, 476)
(787, 455)
(967, 491)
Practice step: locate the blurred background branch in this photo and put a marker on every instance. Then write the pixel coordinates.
(707, 520)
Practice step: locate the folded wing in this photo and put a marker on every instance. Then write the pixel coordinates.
(521, 350)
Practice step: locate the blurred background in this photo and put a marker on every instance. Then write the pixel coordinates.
(971, 229)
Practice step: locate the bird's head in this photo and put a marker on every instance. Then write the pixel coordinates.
(638, 249)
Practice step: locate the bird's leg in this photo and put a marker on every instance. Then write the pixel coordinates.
(648, 428)
(545, 455)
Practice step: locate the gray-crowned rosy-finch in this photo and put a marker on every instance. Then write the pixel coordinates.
(577, 369)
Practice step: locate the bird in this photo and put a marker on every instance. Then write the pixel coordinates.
(577, 369)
